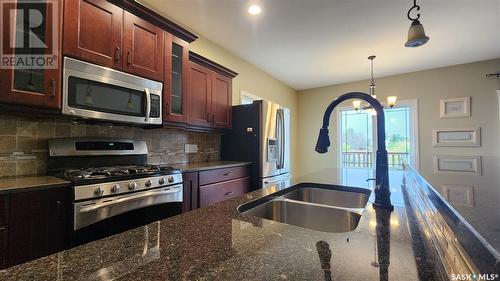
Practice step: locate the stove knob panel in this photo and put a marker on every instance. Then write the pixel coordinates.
(148, 183)
(170, 179)
(115, 188)
(99, 191)
(132, 185)
(161, 181)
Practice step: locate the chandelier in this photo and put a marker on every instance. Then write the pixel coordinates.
(391, 100)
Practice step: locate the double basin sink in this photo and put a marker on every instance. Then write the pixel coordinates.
(317, 208)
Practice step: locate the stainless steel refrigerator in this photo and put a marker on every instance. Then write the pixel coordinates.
(261, 134)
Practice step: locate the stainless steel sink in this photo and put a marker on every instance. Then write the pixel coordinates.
(307, 215)
(329, 197)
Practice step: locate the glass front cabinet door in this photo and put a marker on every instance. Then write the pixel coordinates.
(176, 80)
(30, 55)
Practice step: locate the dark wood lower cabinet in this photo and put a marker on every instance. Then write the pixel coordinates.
(190, 191)
(38, 224)
(3, 247)
(206, 188)
(213, 193)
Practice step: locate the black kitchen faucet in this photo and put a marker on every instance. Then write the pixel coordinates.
(382, 192)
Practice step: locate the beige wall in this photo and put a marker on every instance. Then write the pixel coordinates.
(255, 81)
(425, 86)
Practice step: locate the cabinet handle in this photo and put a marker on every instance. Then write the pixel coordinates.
(228, 174)
(208, 117)
(117, 54)
(129, 59)
(52, 88)
(228, 193)
(213, 119)
(167, 105)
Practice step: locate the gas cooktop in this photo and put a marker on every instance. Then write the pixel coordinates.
(105, 174)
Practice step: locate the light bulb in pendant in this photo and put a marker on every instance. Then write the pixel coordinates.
(391, 101)
(356, 104)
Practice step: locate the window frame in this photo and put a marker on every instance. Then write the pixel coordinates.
(244, 94)
(412, 104)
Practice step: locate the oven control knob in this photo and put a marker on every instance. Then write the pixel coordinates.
(170, 179)
(115, 188)
(161, 181)
(148, 183)
(99, 191)
(132, 185)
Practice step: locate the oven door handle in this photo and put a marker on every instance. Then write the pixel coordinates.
(148, 104)
(128, 199)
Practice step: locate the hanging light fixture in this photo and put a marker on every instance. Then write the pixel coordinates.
(391, 100)
(416, 33)
(372, 85)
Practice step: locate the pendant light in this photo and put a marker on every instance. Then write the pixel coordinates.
(372, 85)
(391, 100)
(416, 33)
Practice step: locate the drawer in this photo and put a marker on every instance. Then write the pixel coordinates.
(213, 193)
(4, 210)
(218, 175)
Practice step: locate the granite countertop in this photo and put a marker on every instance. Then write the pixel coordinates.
(201, 166)
(219, 243)
(21, 183)
(475, 198)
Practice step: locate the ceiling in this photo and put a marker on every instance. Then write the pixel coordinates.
(312, 43)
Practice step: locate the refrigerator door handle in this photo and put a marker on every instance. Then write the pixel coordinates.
(281, 121)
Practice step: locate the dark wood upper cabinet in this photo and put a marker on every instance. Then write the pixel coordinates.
(142, 47)
(221, 101)
(210, 93)
(200, 96)
(176, 82)
(39, 85)
(93, 32)
(39, 224)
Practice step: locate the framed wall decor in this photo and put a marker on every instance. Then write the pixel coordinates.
(457, 137)
(454, 107)
(459, 195)
(461, 165)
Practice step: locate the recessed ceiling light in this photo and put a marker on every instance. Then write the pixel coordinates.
(254, 10)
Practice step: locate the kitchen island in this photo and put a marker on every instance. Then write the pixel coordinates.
(219, 243)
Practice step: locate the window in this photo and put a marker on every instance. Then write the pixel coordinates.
(358, 136)
(247, 98)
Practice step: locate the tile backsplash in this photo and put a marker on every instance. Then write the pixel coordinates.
(24, 142)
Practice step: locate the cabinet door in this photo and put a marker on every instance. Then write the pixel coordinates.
(200, 96)
(143, 47)
(213, 193)
(190, 191)
(176, 86)
(38, 224)
(3, 247)
(221, 101)
(93, 32)
(34, 78)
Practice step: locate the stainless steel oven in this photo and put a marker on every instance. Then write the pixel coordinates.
(96, 92)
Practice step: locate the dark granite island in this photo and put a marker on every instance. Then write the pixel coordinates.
(219, 243)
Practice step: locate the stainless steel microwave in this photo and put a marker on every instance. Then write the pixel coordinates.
(96, 92)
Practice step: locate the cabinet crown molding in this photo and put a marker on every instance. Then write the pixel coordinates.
(210, 64)
(156, 19)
